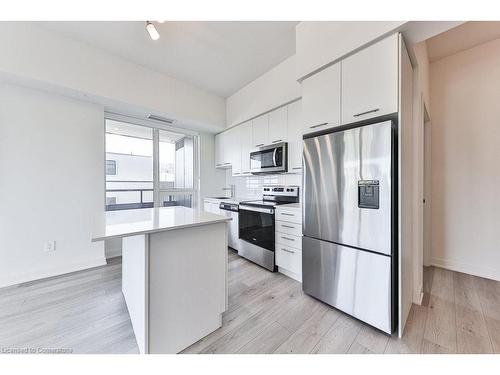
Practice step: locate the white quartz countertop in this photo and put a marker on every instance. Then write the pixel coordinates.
(290, 205)
(230, 200)
(116, 224)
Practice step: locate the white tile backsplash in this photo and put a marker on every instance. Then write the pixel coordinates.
(251, 186)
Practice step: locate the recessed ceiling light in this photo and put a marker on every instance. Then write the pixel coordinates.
(153, 33)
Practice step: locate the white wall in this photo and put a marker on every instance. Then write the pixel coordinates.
(422, 62)
(320, 43)
(47, 60)
(465, 153)
(273, 89)
(406, 190)
(52, 183)
(131, 168)
(421, 100)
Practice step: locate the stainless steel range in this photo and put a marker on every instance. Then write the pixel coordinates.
(256, 224)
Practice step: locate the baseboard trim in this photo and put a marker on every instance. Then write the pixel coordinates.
(113, 253)
(51, 272)
(290, 274)
(486, 272)
(418, 299)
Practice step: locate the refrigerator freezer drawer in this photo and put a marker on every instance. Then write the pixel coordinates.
(354, 281)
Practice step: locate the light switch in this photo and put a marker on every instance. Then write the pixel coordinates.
(49, 246)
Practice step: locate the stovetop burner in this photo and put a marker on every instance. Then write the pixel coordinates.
(263, 203)
(273, 196)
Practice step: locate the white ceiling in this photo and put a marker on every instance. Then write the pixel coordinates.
(461, 38)
(220, 57)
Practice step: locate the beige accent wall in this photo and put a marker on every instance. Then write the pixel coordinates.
(465, 132)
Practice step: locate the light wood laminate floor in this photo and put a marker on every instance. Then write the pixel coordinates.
(268, 313)
(81, 311)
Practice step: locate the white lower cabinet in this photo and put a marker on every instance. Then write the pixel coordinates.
(288, 232)
(211, 205)
(285, 227)
(289, 215)
(289, 259)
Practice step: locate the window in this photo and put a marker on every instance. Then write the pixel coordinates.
(111, 167)
(176, 168)
(132, 147)
(139, 149)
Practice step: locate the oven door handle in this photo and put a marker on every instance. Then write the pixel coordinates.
(257, 209)
(275, 151)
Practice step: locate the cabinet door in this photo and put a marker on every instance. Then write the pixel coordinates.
(207, 206)
(321, 99)
(235, 147)
(260, 129)
(294, 130)
(278, 125)
(370, 81)
(246, 146)
(214, 208)
(218, 150)
(226, 149)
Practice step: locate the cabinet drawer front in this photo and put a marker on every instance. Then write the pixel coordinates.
(289, 240)
(289, 259)
(286, 227)
(291, 216)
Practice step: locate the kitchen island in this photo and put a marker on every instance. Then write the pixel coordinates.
(174, 272)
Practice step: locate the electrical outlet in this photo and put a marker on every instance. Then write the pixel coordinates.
(49, 246)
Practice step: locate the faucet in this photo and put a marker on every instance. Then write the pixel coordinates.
(231, 188)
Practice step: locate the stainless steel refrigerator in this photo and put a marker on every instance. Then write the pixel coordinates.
(349, 218)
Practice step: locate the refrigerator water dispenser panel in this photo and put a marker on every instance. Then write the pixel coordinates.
(368, 194)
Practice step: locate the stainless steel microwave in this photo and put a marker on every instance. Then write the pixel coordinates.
(270, 159)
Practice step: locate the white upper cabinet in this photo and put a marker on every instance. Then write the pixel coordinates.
(278, 125)
(294, 131)
(222, 150)
(260, 131)
(234, 146)
(246, 146)
(321, 99)
(219, 157)
(370, 81)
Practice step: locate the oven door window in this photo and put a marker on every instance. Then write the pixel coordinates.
(257, 228)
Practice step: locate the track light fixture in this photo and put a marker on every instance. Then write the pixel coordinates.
(153, 33)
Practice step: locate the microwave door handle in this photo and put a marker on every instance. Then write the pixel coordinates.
(274, 157)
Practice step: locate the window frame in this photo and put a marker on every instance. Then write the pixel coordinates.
(115, 167)
(158, 189)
